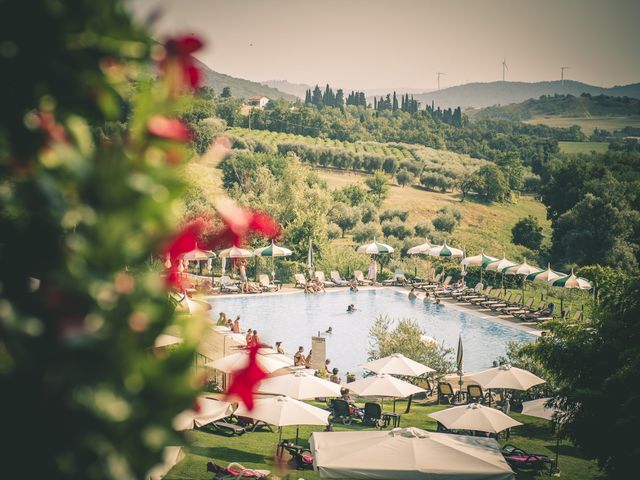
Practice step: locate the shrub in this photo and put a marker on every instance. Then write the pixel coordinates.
(333, 231)
(366, 232)
(404, 177)
(445, 222)
(455, 212)
(391, 214)
(527, 232)
(396, 228)
(368, 212)
(424, 229)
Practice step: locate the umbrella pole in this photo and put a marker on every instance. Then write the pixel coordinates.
(394, 404)
(297, 433)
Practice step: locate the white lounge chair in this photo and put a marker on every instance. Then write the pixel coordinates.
(301, 282)
(397, 279)
(266, 284)
(359, 276)
(228, 285)
(321, 278)
(337, 279)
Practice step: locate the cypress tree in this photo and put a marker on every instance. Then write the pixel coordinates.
(395, 102)
(339, 99)
(307, 97)
(316, 97)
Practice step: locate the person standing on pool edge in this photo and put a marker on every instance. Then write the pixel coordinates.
(249, 337)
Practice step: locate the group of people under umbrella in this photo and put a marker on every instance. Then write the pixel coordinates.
(399, 453)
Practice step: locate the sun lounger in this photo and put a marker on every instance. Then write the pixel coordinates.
(337, 279)
(300, 280)
(491, 294)
(397, 279)
(266, 284)
(228, 285)
(445, 393)
(430, 284)
(234, 471)
(468, 291)
(251, 425)
(497, 300)
(523, 309)
(445, 288)
(513, 305)
(359, 276)
(475, 394)
(228, 428)
(530, 312)
(518, 459)
(321, 278)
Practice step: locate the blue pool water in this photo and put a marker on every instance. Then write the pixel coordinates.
(294, 318)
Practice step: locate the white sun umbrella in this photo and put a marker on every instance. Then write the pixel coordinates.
(499, 266)
(375, 248)
(544, 276)
(571, 281)
(445, 250)
(284, 411)
(397, 364)
(522, 269)
(196, 254)
(170, 456)
(423, 248)
(538, 408)
(272, 251)
(210, 410)
(507, 377)
(474, 417)
(268, 361)
(481, 261)
(383, 385)
(164, 340)
(300, 386)
(407, 454)
(235, 252)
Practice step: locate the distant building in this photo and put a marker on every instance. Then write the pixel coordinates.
(258, 101)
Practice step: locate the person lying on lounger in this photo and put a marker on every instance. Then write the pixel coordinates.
(545, 312)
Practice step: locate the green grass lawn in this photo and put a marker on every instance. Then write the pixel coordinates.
(257, 450)
(588, 124)
(583, 147)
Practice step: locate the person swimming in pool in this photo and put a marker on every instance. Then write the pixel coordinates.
(412, 293)
(329, 330)
(351, 308)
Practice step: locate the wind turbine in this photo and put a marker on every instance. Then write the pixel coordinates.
(504, 69)
(440, 73)
(562, 69)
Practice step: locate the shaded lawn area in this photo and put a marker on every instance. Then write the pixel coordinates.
(257, 450)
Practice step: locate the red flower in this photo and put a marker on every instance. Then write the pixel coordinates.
(178, 65)
(240, 223)
(184, 242)
(244, 381)
(169, 128)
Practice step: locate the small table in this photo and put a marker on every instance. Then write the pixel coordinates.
(392, 419)
(281, 448)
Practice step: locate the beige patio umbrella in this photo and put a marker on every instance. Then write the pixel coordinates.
(170, 457)
(267, 358)
(481, 261)
(474, 417)
(523, 269)
(407, 454)
(499, 266)
(397, 364)
(210, 410)
(164, 340)
(235, 252)
(284, 411)
(423, 248)
(299, 385)
(507, 377)
(544, 276)
(383, 385)
(538, 408)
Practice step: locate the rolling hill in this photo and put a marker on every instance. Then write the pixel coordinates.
(240, 87)
(479, 95)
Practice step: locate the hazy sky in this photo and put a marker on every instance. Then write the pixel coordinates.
(403, 43)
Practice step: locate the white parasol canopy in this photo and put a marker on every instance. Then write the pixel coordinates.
(422, 248)
(235, 252)
(210, 411)
(538, 408)
(544, 276)
(164, 340)
(383, 385)
(407, 454)
(499, 265)
(521, 269)
(375, 248)
(506, 376)
(284, 411)
(267, 358)
(571, 281)
(474, 417)
(299, 385)
(196, 254)
(478, 260)
(397, 364)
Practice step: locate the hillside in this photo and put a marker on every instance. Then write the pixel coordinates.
(479, 95)
(561, 106)
(240, 87)
(296, 89)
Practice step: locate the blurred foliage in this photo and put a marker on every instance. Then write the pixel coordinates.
(84, 203)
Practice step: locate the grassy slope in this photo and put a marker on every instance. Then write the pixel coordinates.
(257, 450)
(588, 124)
(583, 147)
(485, 226)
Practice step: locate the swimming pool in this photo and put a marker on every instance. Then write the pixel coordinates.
(294, 318)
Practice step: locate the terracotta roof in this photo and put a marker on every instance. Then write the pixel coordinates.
(257, 97)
